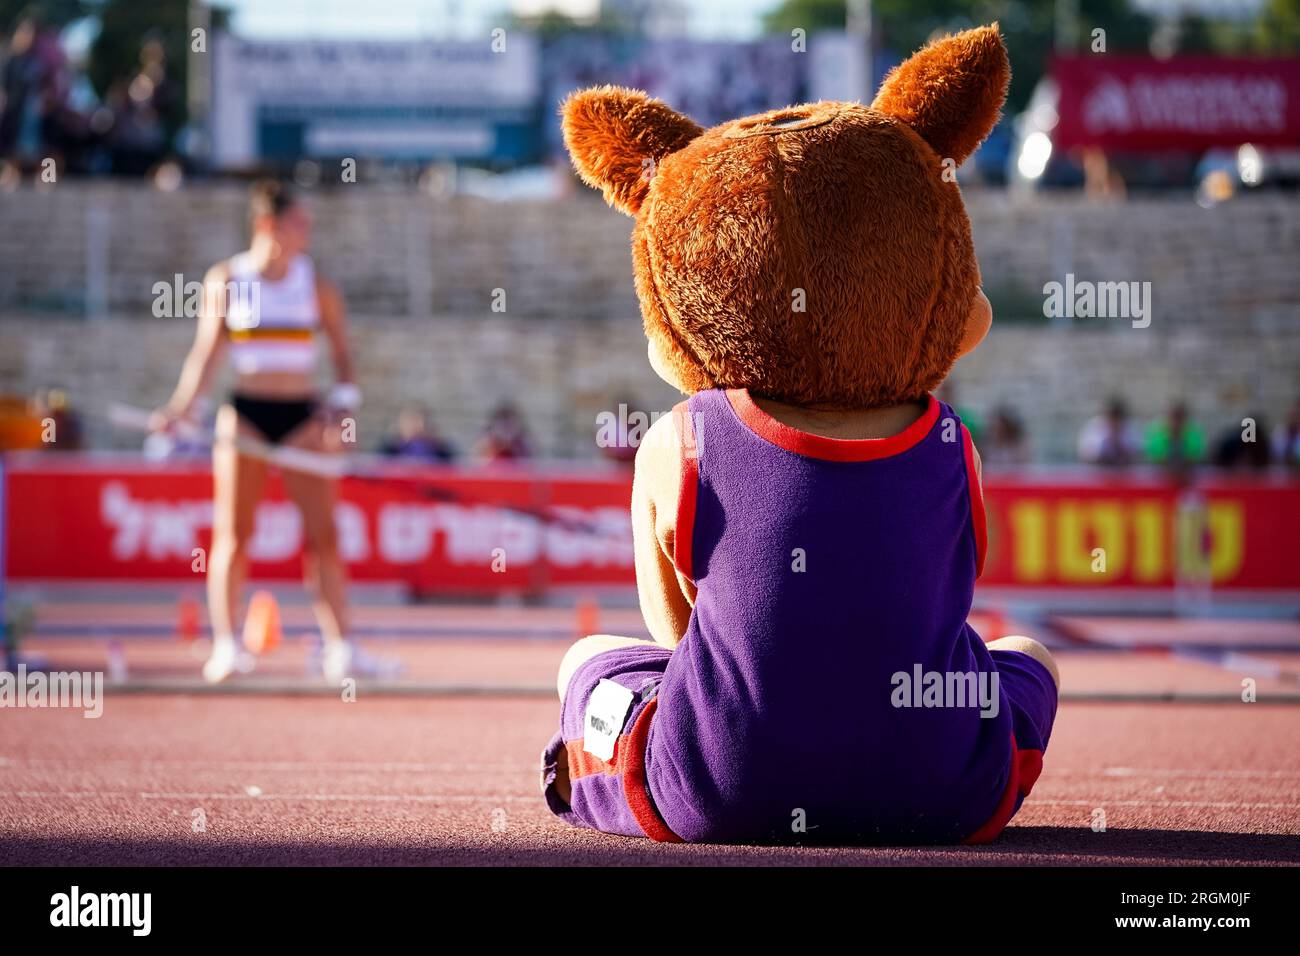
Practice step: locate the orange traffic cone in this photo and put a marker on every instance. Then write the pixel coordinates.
(588, 616)
(262, 624)
(187, 618)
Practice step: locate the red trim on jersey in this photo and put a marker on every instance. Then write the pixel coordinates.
(978, 520)
(1031, 766)
(636, 789)
(684, 530)
(831, 449)
(584, 764)
(1026, 765)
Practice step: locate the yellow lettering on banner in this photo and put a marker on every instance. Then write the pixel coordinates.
(1029, 532)
(1082, 526)
(1227, 539)
(1151, 543)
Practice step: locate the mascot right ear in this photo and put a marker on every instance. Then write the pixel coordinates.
(616, 138)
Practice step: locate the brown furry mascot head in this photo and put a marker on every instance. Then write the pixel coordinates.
(818, 254)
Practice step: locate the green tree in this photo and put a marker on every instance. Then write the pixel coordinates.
(806, 15)
(125, 25)
(55, 13)
(1277, 29)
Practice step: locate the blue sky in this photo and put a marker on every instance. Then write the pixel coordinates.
(731, 19)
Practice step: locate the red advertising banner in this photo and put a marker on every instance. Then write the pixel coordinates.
(1185, 103)
(457, 530)
(1236, 535)
(434, 529)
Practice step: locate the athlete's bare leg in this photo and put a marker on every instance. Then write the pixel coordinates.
(323, 570)
(237, 483)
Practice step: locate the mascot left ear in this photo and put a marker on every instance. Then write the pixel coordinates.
(951, 91)
(616, 136)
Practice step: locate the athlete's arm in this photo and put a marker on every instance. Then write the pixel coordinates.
(334, 322)
(205, 354)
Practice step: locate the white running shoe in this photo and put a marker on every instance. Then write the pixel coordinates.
(343, 659)
(227, 658)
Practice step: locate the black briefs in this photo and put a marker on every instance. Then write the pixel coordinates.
(274, 418)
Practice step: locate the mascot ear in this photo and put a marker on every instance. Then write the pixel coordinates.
(950, 92)
(616, 138)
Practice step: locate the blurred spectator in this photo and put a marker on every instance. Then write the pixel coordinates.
(138, 140)
(1100, 179)
(76, 123)
(60, 424)
(1005, 445)
(1175, 441)
(416, 437)
(21, 84)
(1110, 438)
(1233, 451)
(505, 438)
(1286, 438)
(49, 108)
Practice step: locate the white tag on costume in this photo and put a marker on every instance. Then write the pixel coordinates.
(607, 708)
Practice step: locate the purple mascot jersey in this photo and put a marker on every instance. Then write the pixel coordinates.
(828, 688)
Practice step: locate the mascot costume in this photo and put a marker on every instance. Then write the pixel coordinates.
(809, 524)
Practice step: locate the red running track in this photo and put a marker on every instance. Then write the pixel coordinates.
(452, 779)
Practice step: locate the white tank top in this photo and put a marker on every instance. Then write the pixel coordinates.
(272, 325)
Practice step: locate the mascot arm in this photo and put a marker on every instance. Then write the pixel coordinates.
(666, 595)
